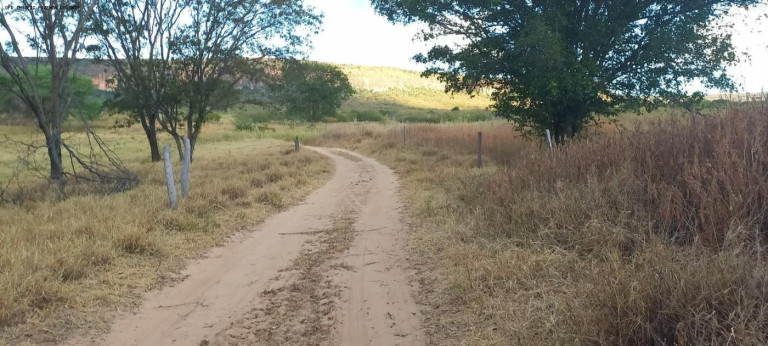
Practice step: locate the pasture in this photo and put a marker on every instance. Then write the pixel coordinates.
(637, 233)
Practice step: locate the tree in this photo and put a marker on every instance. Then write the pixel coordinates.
(311, 90)
(84, 102)
(225, 43)
(177, 62)
(561, 65)
(56, 33)
(136, 39)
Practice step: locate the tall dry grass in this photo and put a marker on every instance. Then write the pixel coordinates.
(68, 266)
(654, 234)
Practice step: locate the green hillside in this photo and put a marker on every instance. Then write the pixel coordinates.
(382, 94)
(390, 94)
(387, 87)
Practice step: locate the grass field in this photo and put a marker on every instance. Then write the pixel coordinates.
(650, 233)
(644, 232)
(67, 267)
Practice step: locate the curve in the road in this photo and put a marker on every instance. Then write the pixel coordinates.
(376, 305)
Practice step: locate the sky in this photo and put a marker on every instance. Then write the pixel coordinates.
(354, 34)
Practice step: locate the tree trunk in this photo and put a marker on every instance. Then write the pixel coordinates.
(567, 124)
(53, 142)
(58, 109)
(179, 146)
(149, 124)
(192, 142)
(153, 148)
(558, 131)
(193, 129)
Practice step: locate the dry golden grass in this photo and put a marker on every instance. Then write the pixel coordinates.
(653, 234)
(68, 266)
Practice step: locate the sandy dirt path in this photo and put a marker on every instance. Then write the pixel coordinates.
(375, 304)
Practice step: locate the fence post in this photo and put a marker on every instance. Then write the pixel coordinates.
(480, 150)
(549, 140)
(185, 168)
(403, 135)
(296, 143)
(172, 198)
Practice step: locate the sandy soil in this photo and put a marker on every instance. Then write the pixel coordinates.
(288, 276)
(377, 303)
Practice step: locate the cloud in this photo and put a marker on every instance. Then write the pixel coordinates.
(354, 34)
(750, 35)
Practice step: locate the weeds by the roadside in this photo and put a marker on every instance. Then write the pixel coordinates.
(67, 265)
(654, 234)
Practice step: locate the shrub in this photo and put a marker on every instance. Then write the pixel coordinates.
(248, 120)
(420, 119)
(357, 115)
(651, 234)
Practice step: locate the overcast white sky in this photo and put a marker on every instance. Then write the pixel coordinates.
(354, 34)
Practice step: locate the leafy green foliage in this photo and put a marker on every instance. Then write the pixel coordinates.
(562, 65)
(181, 62)
(310, 90)
(85, 102)
(249, 119)
(365, 115)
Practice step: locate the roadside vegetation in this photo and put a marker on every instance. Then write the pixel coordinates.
(627, 232)
(652, 232)
(381, 94)
(68, 266)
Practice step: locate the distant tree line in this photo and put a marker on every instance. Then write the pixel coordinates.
(176, 63)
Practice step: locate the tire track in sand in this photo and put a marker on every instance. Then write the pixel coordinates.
(375, 305)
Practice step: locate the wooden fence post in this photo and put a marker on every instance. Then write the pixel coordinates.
(296, 143)
(549, 140)
(185, 168)
(479, 150)
(403, 135)
(172, 198)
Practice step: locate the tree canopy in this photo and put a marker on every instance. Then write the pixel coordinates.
(85, 103)
(311, 90)
(178, 62)
(561, 65)
(55, 36)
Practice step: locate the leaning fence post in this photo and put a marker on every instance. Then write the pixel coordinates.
(480, 150)
(549, 139)
(169, 177)
(296, 143)
(185, 168)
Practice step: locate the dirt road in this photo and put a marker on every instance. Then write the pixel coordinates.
(367, 292)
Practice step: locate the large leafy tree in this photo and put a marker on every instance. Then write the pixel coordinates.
(311, 90)
(226, 44)
(560, 65)
(135, 39)
(55, 37)
(178, 62)
(84, 103)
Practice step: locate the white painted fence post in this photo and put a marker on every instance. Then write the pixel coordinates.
(549, 139)
(185, 168)
(172, 198)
